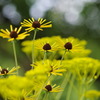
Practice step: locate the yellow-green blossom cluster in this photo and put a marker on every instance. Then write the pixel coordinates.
(85, 67)
(57, 48)
(53, 58)
(92, 94)
(16, 88)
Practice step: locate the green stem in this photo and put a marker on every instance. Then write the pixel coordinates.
(35, 31)
(70, 88)
(83, 88)
(63, 57)
(63, 85)
(46, 96)
(15, 55)
(82, 95)
(45, 56)
(30, 91)
(43, 87)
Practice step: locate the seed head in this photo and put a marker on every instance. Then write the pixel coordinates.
(13, 34)
(4, 71)
(36, 24)
(47, 46)
(68, 46)
(49, 88)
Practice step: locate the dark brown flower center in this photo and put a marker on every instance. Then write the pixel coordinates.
(13, 34)
(4, 71)
(36, 24)
(49, 88)
(68, 46)
(51, 69)
(47, 46)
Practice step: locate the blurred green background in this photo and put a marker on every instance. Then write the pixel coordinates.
(78, 18)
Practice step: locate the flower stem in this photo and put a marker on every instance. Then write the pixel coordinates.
(35, 31)
(46, 96)
(63, 85)
(49, 78)
(15, 55)
(45, 56)
(83, 87)
(70, 87)
(62, 57)
(82, 94)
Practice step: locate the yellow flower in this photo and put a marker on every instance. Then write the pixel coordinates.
(55, 67)
(52, 88)
(46, 44)
(4, 71)
(32, 24)
(26, 94)
(13, 34)
(50, 67)
(69, 44)
(12, 88)
(85, 67)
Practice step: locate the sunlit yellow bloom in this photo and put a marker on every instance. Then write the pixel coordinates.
(51, 67)
(52, 88)
(16, 88)
(27, 45)
(55, 67)
(86, 67)
(27, 48)
(4, 71)
(25, 94)
(69, 44)
(38, 24)
(45, 44)
(13, 33)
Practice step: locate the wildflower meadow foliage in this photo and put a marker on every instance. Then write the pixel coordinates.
(61, 68)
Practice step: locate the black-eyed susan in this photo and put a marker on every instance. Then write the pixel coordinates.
(50, 67)
(13, 33)
(52, 88)
(6, 71)
(45, 44)
(55, 68)
(35, 24)
(69, 44)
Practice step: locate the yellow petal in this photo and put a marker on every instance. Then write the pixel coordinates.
(19, 30)
(11, 28)
(11, 39)
(46, 26)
